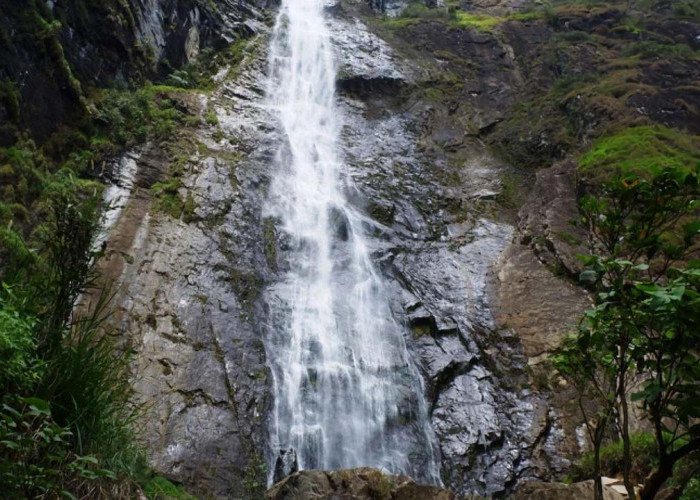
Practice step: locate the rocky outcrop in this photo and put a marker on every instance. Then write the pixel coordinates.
(538, 294)
(187, 289)
(431, 191)
(353, 484)
(52, 51)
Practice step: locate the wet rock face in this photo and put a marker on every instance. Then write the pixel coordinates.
(285, 464)
(353, 484)
(103, 43)
(428, 189)
(187, 290)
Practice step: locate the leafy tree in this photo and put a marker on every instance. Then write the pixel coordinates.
(583, 362)
(644, 326)
(668, 318)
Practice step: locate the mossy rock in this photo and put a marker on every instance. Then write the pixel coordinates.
(641, 151)
(159, 488)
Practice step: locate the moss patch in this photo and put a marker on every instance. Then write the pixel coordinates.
(159, 488)
(416, 12)
(487, 23)
(645, 150)
(167, 198)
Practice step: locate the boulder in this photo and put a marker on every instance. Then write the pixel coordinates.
(362, 483)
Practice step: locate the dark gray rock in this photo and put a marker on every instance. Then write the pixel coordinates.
(353, 484)
(285, 465)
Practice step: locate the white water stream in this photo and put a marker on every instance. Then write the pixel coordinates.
(346, 393)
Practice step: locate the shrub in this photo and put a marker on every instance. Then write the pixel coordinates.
(19, 365)
(421, 11)
(36, 457)
(159, 488)
(643, 446)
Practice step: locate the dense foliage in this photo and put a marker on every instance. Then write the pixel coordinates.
(65, 398)
(642, 336)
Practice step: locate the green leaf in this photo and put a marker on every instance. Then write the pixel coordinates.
(11, 445)
(89, 459)
(589, 276)
(38, 404)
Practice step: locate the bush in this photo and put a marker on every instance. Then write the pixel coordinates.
(19, 365)
(37, 461)
(643, 446)
(159, 488)
(421, 11)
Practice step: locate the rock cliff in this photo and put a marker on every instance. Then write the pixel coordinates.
(53, 50)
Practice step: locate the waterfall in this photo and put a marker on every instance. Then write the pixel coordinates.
(346, 391)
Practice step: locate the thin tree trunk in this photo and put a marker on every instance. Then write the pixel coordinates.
(622, 394)
(598, 480)
(627, 453)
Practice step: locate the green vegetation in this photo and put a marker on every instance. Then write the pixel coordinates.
(487, 23)
(66, 409)
(255, 477)
(644, 327)
(211, 118)
(654, 50)
(644, 150)
(36, 457)
(120, 119)
(643, 450)
(598, 74)
(167, 198)
(414, 12)
(124, 118)
(159, 488)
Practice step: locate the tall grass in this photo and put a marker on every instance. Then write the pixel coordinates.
(68, 417)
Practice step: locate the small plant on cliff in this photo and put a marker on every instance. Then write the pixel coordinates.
(642, 336)
(255, 475)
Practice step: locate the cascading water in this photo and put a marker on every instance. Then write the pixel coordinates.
(346, 393)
